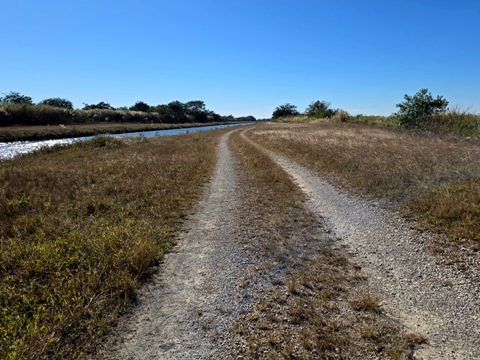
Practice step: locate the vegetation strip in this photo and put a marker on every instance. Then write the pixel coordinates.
(418, 112)
(82, 226)
(19, 110)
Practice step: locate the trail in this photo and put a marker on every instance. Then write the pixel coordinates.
(431, 299)
(186, 311)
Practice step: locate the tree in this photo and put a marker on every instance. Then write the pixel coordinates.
(16, 98)
(213, 116)
(163, 110)
(196, 111)
(140, 106)
(177, 107)
(285, 110)
(418, 109)
(178, 110)
(101, 105)
(320, 109)
(57, 102)
(195, 106)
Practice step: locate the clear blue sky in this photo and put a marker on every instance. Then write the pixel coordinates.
(242, 57)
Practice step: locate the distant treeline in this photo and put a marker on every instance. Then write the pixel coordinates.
(421, 111)
(17, 109)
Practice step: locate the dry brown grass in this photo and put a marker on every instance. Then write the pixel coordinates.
(455, 210)
(317, 306)
(298, 119)
(268, 193)
(81, 227)
(434, 177)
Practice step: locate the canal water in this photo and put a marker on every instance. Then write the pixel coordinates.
(13, 149)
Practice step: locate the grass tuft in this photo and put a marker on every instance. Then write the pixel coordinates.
(453, 209)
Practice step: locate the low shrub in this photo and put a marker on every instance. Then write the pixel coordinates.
(417, 110)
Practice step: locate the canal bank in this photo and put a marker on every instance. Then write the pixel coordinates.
(17, 148)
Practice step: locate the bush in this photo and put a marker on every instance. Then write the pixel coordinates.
(342, 116)
(418, 110)
(285, 110)
(57, 102)
(320, 109)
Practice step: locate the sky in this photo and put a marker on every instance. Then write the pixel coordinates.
(242, 57)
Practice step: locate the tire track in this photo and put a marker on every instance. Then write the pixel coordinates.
(186, 312)
(436, 301)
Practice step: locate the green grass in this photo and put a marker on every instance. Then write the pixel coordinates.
(381, 121)
(82, 227)
(456, 121)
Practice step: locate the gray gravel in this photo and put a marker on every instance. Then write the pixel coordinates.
(437, 301)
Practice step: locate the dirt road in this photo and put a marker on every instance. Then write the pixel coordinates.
(187, 311)
(434, 300)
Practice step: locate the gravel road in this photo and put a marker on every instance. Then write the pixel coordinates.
(185, 313)
(434, 300)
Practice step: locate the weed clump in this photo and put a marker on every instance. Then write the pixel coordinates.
(102, 141)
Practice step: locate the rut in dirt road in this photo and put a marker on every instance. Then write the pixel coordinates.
(436, 301)
(189, 307)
